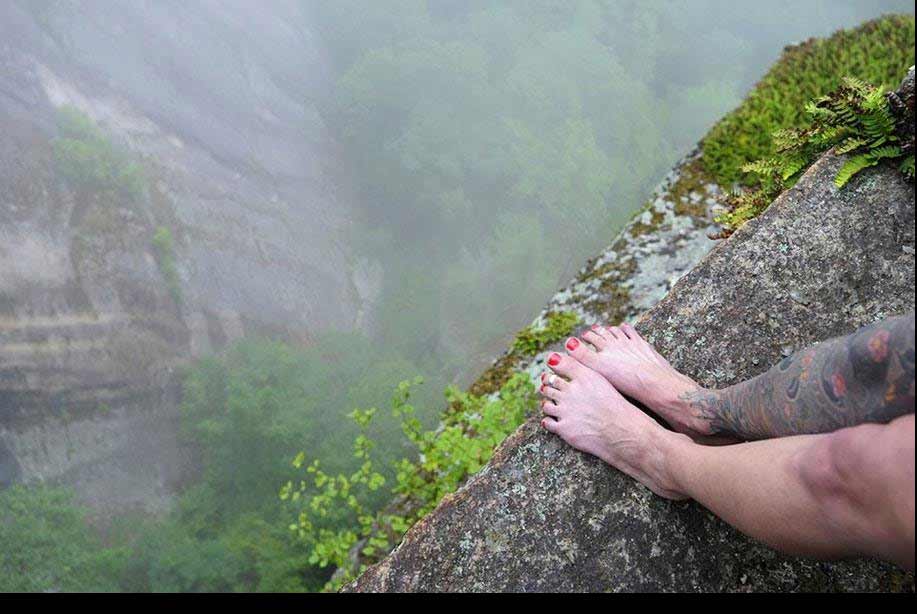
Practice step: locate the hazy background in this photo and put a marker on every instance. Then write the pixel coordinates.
(381, 189)
(493, 147)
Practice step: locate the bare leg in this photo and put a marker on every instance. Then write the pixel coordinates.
(834, 495)
(849, 493)
(867, 376)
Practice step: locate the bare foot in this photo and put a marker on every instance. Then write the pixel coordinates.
(638, 371)
(586, 411)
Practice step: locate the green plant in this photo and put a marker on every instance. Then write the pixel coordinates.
(90, 161)
(48, 546)
(877, 52)
(444, 458)
(164, 246)
(855, 119)
(557, 325)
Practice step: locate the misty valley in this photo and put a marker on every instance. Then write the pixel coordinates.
(268, 269)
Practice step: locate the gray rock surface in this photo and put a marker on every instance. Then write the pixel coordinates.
(544, 517)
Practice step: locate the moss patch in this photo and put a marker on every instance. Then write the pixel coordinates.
(612, 301)
(692, 179)
(639, 228)
(879, 52)
(529, 341)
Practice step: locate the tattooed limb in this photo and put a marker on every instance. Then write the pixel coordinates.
(865, 377)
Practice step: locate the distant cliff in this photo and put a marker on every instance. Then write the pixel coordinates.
(541, 516)
(234, 228)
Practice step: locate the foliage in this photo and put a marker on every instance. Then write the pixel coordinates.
(445, 458)
(855, 119)
(90, 161)
(877, 52)
(48, 546)
(558, 324)
(200, 549)
(164, 246)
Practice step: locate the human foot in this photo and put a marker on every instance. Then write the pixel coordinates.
(586, 411)
(638, 371)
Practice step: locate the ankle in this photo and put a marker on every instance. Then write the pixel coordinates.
(671, 447)
(676, 403)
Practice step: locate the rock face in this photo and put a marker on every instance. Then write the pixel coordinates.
(544, 517)
(240, 168)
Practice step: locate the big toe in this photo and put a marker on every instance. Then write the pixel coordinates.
(580, 351)
(566, 366)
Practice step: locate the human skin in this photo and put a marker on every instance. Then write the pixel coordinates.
(867, 376)
(845, 493)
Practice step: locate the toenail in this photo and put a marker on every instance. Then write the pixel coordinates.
(554, 359)
(572, 343)
(595, 327)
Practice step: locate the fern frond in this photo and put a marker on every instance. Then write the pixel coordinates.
(858, 86)
(793, 165)
(878, 124)
(817, 111)
(850, 144)
(825, 137)
(853, 166)
(889, 151)
(907, 167)
(784, 140)
(763, 168)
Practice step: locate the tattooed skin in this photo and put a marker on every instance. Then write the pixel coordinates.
(865, 377)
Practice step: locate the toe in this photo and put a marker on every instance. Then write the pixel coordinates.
(567, 366)
(554, 380)
(581, 352)
(550, 409)
(631, 332)
(605, 333)
(597, 341)
(617, 333)
(550, 425)
(549, 392)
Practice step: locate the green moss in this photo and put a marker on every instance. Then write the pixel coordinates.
(89, 161)
(164, 246)
(638, 228)
(493, 378)
(879, 52)
(692, 179)
(611, 302)
(855, 120)
(531, 340)
(528, 342)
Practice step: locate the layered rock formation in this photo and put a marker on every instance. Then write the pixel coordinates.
(543, 517)
(240, 168)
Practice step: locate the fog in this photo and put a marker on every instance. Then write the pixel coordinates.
(345, 194)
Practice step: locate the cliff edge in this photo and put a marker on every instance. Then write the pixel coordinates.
(541, 516)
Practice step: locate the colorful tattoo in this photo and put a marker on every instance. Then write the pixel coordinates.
(865, 377)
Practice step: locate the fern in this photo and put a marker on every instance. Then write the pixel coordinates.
(850, 144)
(907, 167)
(853, 166)
(854, 119)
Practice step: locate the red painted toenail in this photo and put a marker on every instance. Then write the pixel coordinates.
(554, 360)
(595, 327)
(544, 377)
(572, 343)
(542, 388)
